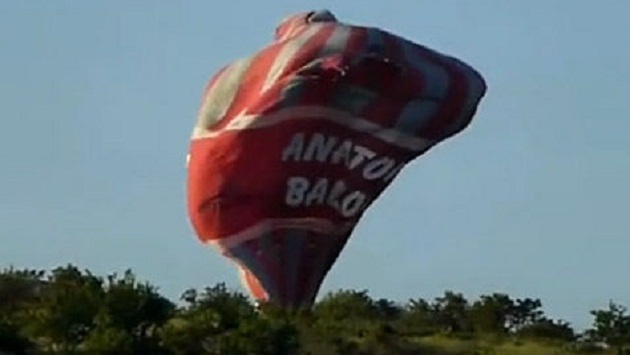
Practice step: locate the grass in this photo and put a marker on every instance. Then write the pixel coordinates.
(441, 345)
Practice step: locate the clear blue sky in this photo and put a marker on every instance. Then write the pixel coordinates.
(98, 99)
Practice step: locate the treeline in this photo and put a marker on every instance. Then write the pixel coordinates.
(69, 310)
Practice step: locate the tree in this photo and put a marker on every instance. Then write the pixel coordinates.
(106, 339)
(202, 318)
(191, 332)
(346, 304)
(344, 314)
(18, 288)
(11, 341)
(612, 326)
(491, 313)
(258, 335)
(129, 316)
(525, 312)
(73, 311)
(230, 306)
(548, 329)
(220, 321)
(452, 312)
(65, 309)
(387, 309)
(349, 321)
(419, 318)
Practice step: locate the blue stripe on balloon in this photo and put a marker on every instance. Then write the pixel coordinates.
(416, 114)
(294, 243)
(352, 99)
(435, 76)
(292, 93)
(375, 42)
(269, 250)
(323, 250)
(252, 262)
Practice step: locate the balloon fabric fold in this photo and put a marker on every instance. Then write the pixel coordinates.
(295, 142)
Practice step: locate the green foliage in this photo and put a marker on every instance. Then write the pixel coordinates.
(452, 313)
(73, 311)
(11, 340)
(612, 326)
(491, 313)
(63, 314)
(346, 304)
(524, 313)
(104, 339)
(547, 329)
(418, 318)
(135, 309)
(18, 288)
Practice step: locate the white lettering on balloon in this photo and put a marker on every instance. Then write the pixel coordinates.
(327, 149)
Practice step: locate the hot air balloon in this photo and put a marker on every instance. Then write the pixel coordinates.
(295, 142)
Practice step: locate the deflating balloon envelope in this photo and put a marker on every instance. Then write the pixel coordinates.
(294, 143)
(286, 265)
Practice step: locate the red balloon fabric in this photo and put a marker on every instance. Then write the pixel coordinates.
(295, 142)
